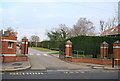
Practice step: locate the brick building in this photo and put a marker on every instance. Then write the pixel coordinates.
(8, 40)
(8, 47)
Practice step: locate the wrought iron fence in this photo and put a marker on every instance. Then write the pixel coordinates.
(82, 53)
(77, 54)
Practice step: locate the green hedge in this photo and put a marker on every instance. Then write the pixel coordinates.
(91, 44)
(88, 44)
(55, 45)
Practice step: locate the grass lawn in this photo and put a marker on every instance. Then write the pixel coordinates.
(41, 49)
(55, 53)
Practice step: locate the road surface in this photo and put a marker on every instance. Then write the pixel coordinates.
(45, 66)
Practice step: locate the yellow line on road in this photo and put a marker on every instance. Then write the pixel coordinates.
(39, 73)
(26, 73)
(23, 73)
(1, 73)
(71, 72)
(30, 73)
(66, 72)
(36, 73)
(33, 73)
(17, 73)
(42, 73)
(77, 72)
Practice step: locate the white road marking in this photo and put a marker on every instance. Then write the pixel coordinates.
(38, 54)
(31, 54)
(45, 54)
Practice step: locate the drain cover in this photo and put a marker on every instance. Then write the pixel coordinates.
(17, 64)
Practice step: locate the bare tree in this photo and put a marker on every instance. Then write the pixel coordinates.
(118, 16)
(102, 25)
(35, 38)
(83, 27)
(110, 23)
(24, 37)
(10, 29)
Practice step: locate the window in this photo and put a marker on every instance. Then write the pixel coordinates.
(10, 44)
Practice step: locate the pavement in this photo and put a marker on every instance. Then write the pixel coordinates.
(15, 66)
(93, 66)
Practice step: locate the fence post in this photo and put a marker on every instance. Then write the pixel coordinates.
(112, 62)
(68, 49)
(24, 48)
(116, 52)
(104, 50)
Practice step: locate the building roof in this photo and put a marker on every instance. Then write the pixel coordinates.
(111, 31)
(7, 33)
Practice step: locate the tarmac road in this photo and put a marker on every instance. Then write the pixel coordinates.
(42, 61)
(60, 75)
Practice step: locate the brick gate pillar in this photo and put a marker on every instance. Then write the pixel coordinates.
(24, 48)
(104, 50)
(68, 49)
(116, 52)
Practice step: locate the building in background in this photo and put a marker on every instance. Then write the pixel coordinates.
(115, 31)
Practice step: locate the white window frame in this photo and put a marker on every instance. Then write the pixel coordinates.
(11, 45)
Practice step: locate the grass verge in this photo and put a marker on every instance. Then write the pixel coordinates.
(55, 53)
(41, 49)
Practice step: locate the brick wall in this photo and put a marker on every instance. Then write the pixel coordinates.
(21, 58)
(1, 59)
(9, 59)
(14, 58)
(68, 58)
(90, 60)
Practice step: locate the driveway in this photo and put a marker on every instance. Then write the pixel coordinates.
(42, 60)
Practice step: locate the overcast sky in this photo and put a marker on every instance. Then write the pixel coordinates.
(29, 17)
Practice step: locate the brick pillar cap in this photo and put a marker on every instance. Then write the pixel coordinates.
(24, 38)
(68, 41)
(117, 42)
(104, 42)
